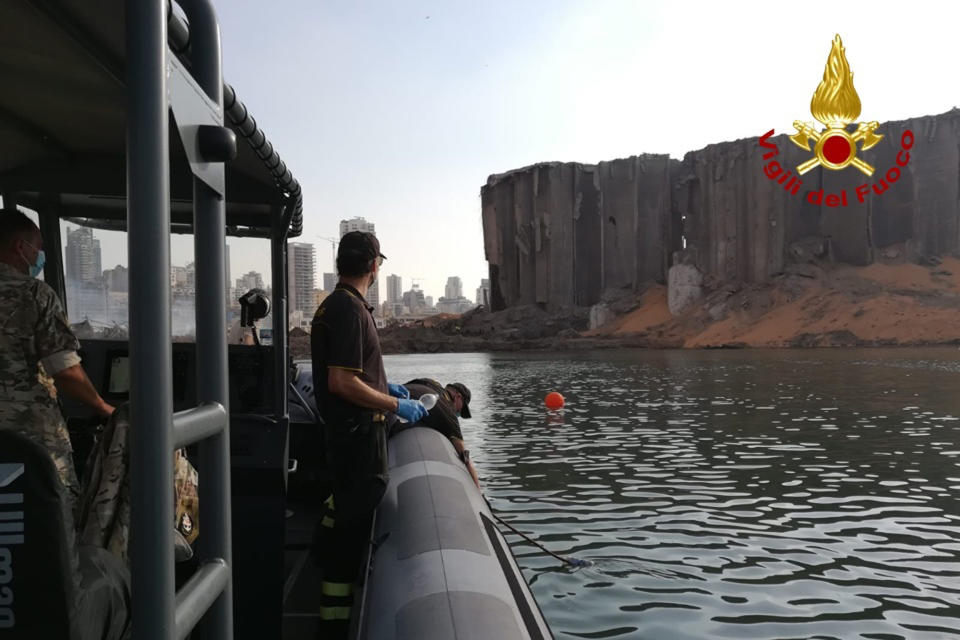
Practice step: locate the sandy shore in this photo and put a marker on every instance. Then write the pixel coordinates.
(882, 304)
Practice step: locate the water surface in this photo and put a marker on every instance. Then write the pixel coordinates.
(725, 494)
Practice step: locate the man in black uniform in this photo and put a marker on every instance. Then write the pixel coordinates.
(453, 402)
(353, 398)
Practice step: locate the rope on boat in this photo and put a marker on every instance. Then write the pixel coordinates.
(573, 562)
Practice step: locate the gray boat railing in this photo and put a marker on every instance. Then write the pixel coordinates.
(158, 83)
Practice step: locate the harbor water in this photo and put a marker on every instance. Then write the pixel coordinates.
(725, 494)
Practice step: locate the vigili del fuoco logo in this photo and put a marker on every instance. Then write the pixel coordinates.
(836, 105)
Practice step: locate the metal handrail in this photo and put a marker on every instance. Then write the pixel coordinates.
(151, 373)
(200, 591)
(209, 221)
(198, 423)
(157, 612)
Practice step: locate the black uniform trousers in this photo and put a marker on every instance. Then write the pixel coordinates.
(356, 458)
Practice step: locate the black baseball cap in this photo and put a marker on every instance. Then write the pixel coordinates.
(463, 391)
(360, 244)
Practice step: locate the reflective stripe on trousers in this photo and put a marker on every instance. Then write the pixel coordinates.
(334, 613)
(336, 600)
(328, 520)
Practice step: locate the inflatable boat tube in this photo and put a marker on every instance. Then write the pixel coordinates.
(440, 569)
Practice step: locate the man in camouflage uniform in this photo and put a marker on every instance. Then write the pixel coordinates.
(36, 343)
(38, 358)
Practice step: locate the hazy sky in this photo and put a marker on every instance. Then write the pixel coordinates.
(398, 111)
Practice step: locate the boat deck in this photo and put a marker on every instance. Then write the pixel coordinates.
(301, 585)
(302, 577)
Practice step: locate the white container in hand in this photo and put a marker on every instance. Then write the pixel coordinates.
(428, 400)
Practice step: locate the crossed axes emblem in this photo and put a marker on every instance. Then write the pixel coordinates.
(836, 156)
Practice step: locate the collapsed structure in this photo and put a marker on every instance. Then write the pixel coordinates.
(561, 234)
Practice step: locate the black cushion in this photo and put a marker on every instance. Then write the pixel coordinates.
(39, 583)
(36, 578)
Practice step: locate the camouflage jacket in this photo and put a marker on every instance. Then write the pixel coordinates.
(35, 342)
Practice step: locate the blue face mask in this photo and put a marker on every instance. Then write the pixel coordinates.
(37, 266)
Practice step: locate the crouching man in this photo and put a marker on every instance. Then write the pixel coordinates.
(453, 403)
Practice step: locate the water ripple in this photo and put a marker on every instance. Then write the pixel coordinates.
(726, 494)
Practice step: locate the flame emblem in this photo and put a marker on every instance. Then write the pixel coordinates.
(836, 104)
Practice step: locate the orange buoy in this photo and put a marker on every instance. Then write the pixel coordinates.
(554, 400)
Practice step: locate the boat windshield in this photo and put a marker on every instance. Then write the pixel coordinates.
(97, 281)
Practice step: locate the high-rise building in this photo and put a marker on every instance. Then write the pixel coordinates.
(83, 256)
(454, 288)
(96, 257)
(454, 305)
(373, 296)
(329, 282)
(250, 280)
(356, 224)
(301, 275)
(360, 224)
(483, 293)
(117, 279)
(414, 300)
(453, 300)
(178, 276)
(226, 272)
(394, 288)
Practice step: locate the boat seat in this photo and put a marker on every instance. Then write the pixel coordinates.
(49, 588)
(302, 397)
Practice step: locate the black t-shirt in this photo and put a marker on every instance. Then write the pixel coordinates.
(443, 416)
(344, 336)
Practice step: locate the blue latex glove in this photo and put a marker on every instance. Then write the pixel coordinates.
(398, 390)
(411, 410)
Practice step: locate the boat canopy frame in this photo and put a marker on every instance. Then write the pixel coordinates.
(91, 91)
(62, 123)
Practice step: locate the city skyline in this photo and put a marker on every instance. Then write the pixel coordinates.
(332, 278)
(242, 254)
(92, 241)
(99, 302)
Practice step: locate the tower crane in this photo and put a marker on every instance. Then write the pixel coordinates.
(333, 249)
